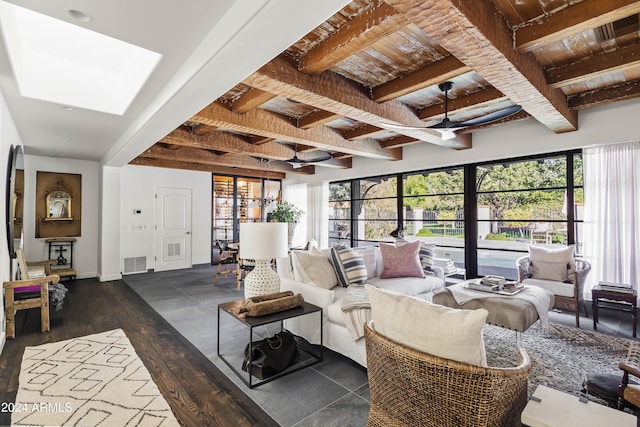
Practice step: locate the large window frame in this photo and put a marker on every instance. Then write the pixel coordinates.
(469, 220)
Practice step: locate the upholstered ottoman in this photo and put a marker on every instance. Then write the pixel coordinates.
(507, 312)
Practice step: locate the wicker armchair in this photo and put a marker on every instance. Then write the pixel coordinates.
(412, 388)
(629, 392)
(571, 301)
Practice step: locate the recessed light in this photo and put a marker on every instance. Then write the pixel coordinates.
(79, 15)
(66, 107)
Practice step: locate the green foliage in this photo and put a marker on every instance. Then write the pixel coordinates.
(501, 236)
(286, 212)
(424, 232)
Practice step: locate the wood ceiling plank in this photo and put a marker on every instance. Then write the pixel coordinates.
(432, 74)
(331, 92)
(316, 118)
(222, 170)
(605, 96)
(579, 17)
(251, 99)
(595, 66)
(477, 34)
(363, 131)
(222, 141)
(271, 125)
(362, 31)
(462, 103)
(199, 155)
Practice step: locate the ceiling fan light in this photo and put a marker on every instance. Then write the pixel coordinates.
(448, 134)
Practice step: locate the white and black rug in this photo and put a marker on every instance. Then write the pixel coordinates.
(95, 380)
(560, 359)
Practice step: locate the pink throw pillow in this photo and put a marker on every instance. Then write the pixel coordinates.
(401, 261)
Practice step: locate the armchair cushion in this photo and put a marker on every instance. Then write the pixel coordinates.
(562, 289)
(551, 263)
(431, 328)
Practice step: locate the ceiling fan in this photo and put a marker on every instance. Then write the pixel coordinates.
(297, 162)
(446, 127)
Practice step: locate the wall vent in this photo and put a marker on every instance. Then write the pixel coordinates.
(174, 249)
(135, 265)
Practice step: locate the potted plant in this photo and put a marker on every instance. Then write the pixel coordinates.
(289, 213)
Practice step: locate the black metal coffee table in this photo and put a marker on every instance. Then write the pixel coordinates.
(233, 308)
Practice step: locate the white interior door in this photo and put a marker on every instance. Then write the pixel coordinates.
(173, 229)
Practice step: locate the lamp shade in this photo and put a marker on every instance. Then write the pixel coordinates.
(263, 240)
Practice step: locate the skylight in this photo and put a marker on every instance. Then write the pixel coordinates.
(69, 65)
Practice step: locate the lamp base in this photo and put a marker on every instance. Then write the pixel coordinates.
(261, 280)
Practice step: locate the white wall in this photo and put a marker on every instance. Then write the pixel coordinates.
(8, 137)
(139, 184)
(85, 249)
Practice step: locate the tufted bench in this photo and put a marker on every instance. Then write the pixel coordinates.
(507, 312)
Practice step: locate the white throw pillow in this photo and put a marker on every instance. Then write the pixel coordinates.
(551, 263)
(431, 328)
(314, 268)
(369, 255)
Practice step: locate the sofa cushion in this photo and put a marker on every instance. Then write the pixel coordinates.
(334, 311)
(551, 263)
(314, 268)
(401, 260)
(369, 255)
(445, 332)
(562, 289)
(412, 286)
(349, 265)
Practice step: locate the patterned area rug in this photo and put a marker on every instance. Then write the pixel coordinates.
(96, 380)
(560, 359)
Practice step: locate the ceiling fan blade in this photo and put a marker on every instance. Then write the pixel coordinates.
(296, 160)
(488, 118)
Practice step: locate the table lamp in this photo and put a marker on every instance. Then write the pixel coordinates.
(262, 242)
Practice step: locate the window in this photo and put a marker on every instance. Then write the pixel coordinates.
(512, 203)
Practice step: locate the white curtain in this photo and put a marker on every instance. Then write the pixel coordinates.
(612, 213)
(318, 224)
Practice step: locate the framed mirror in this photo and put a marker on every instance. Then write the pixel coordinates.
(59, 205)
(15, 199)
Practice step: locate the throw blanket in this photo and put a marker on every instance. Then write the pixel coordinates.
(533, 294)
(356, 310)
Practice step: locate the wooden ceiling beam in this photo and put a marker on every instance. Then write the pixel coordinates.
(316, 118)
(474, 32)
(250, 99)
(222, 170)
(462, 103)
(574, 19)
(271, 125)
(604, 96)
(222, 141)
(399, 141)
(353, 37)
(363, 131)
(596, 66)
(198, 155)
(432, 74)
(330, 92)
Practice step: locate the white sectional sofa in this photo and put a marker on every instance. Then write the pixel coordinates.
(336, 335)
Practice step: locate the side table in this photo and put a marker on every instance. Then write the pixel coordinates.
(620, 300)
(233, 308)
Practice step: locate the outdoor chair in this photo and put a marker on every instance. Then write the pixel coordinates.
(568, 294)
(412, 388)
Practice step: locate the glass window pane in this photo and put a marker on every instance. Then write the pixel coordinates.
(538, 173)
(339, 230)
(578, 197)
(378, 187)
(525, 205)
(578, 179)
(499, 263)
(378, 209)
(340, 191)
(374, 230)
(430, 183)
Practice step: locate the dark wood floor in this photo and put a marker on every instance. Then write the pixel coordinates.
(198, 393)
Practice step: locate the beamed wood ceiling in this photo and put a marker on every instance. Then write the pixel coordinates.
(375, 63)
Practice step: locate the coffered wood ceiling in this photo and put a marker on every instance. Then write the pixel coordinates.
(375, 63)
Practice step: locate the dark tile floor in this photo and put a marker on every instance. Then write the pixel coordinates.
(332, 393)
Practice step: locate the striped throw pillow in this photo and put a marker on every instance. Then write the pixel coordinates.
(426, 254)
(349, 265)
